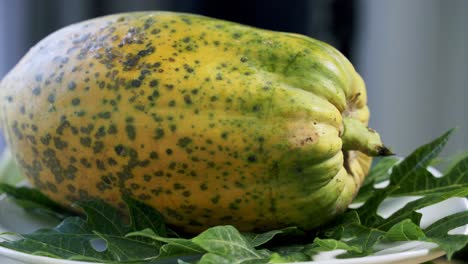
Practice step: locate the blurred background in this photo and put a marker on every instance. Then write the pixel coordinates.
(412, 54)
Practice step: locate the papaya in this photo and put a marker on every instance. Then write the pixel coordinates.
(208, 121)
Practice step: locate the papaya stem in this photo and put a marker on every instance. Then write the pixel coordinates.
(357, 136)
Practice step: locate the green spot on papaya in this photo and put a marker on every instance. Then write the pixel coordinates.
(215, 199)
(71, 86)
(131, 132)
(36, 91)
(75, 101)
(184, 142)
(104, 115)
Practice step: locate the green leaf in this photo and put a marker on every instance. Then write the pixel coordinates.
(424, 183)
(34, 201)
(408, 211)
(256, 240)
(405, 230)
(144, 216)
(227, 241)
(103, 218)
(438, 233)
(74, 237)
(403, 172)
(333, 244)
(173, 246)
(288, 258)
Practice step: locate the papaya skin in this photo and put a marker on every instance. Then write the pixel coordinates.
(209, 121)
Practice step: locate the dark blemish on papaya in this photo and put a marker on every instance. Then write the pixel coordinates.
(219, 77)
(236, 35)
(112, 130)
(169, 86)
(144, 163)
(169, 151)
(17, 131)
(135, 83)
(224, 135)
(184, 142)
(51, 98)
(256, 108)
(155, 31)
(106, 179)
(71, 86)
(45, 140)
(178, 186)
(100, 165)
(36, 91)
(216, 43)
(204, 186)
(173, 128)
(188, 68)
(154, 155)
(252, 158)
(104, 115)
(98, 146)
(38, 78)
(71, 188)
(101, 132)
(159, 173)
(131, 132)
(153, 83)
(186, 193)
(22, 109)
(187, 99)
(85, 141)
(158, 133)
(120, 150)
(174, 214)
(215, 199)
(111, 162)
(147, 177)
(51, 187)
(80, 113)
(75, 101)
(59, 144)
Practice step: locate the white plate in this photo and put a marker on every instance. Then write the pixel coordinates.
(13, 218)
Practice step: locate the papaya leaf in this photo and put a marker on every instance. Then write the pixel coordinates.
(424, 182)
(75, 237)
(256, 240)
(172, 246)
(408, 211)
(227, 241)
(402, 173)
(438, 232)
(406, 230)
(34, 201)
(144, 216)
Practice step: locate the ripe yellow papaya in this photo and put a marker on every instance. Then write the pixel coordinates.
(210, 122)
